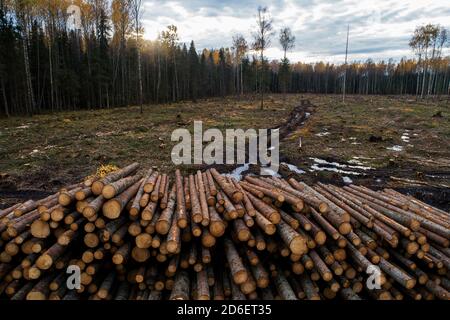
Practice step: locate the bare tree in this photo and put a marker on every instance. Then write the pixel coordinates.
(440, 39)
(262, 38)
(136, 9)
(287, 42)
(240, 46)
(345, 66)
(425, 39)
(417, 45)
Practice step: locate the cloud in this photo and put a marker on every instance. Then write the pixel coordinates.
(378, 29)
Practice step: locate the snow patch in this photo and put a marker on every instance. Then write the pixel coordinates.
(237, 173)
(322, 134)
(405, 137)
(396, 148)
(347, 180)
(340, 165)
(293, 168)
(315, 167)
(266, 171)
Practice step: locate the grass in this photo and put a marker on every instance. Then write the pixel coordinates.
(50, 149)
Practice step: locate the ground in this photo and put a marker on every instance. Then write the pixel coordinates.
(373, 140)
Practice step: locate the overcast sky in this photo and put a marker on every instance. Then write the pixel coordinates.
(378, 29)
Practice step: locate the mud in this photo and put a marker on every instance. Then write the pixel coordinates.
(296, 118)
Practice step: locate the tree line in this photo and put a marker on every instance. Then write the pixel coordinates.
(51, 62)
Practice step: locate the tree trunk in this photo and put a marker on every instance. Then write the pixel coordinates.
(139, 76)
(27, 68)
(158, 85)
(262, 80)
(176, 92)
(242, 81)
(5, 99)
(425, 71)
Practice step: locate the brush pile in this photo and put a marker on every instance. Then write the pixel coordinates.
(150, 236)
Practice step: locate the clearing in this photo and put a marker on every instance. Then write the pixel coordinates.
(372, 140)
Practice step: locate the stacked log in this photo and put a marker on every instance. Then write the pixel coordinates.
(154, 236)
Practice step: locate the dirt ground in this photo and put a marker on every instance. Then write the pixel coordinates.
(379, 141)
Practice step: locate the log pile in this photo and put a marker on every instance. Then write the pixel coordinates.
(150, 236)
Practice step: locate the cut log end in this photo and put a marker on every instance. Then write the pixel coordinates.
(97, 187)
(118, 259)
(240, 277)
(414, 225)
(172, 246)
(345, 228)
(162, 227)
(108, 191)
(36, 295)
(64, 199)
(44, 262)
(182, 223)
(112, 209)
(238, 197)
(298, 245)
(410, 283)
(217, 229)
(320, 238)
(34, 273)
(40, 229)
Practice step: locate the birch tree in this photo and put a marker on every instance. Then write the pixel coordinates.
(287, 42)
(137, 14)
(240, 47)
(262, 38)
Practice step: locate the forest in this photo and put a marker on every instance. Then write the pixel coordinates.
(47, 64)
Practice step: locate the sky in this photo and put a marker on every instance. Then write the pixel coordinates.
(378, 29)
